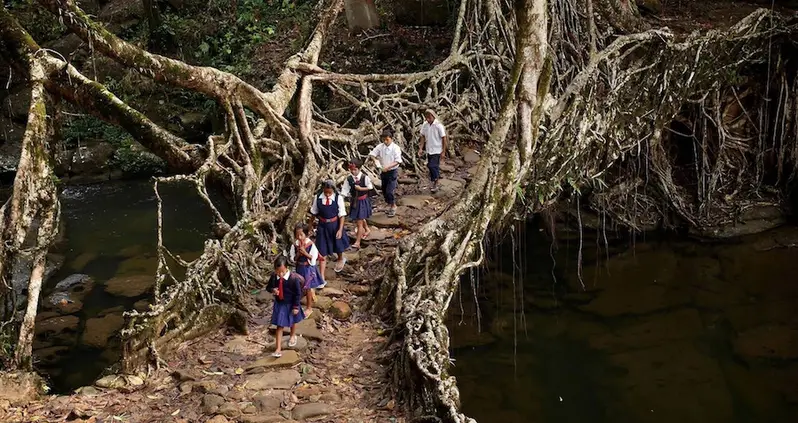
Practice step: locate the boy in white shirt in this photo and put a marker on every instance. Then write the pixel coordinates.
(433, 135)
(388, 158)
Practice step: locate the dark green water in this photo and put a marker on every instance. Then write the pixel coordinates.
(111, 233)
(664, 331)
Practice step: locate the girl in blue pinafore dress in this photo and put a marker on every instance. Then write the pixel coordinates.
(357, 186)
(287, 289)
(305, 254)
(331, 238)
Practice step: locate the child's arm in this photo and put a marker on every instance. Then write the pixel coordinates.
(298, 282)
(272, 285)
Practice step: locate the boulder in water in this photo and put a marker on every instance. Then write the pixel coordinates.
(100, 329)
(129, 286)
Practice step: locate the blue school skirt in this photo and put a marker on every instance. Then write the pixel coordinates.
(283, 316)
(311, 274)
(361, 209)
(326, 241)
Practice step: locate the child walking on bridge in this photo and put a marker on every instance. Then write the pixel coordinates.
(357, 186)
(305, 254)
(331, 238)
(287, 289)
(388, 157)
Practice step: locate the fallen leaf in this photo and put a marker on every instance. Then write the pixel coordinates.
(176, 412)
(239, 371)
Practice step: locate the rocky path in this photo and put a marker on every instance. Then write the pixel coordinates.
(334, 374)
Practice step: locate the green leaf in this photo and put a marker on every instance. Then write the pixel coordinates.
(204, 47)
(270, 30)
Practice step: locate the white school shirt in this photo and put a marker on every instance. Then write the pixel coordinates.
(346, 189)
(387, 154)
(314, 252)
(314, 209)
(433, 134)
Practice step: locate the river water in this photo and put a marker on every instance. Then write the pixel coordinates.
(664, 330)
(110, 233)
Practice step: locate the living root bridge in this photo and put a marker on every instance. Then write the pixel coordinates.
(616, 105)
(555, 120)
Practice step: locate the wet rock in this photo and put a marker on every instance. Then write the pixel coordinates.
(236, 345)
(419, 202)
(470, 156)
(449, 188)
(378, 234)
(100, 329)
(186, 388)
(341, 310)
(306, 411)
(359, 289)
(58, 327)
(129, 286)
(125, 383)
(268, 402)
(230, 410)
(307, 328)
(751, 221)
(61, 302)
(281, 379)
(447, 167)
(331, 397)
(81, 261)
(138, 266)
(211, 403)
(249, 409)
(332, 292)
(381, 220)
(141, 305)
(288, 359)
(768, 342)
(88, 391)
(77, 284)
(205, 386)
(323, 302)
(90, 158)
(20, 388)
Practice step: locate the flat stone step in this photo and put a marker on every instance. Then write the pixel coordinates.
(288, 359)
(280, 379)
(381, 220)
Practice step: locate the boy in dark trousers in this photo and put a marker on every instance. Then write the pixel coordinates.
(388, 158)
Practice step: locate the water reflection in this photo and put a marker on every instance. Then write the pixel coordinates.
(110, 233)
(666, 331)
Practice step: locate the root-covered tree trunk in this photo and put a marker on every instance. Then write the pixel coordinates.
(565, 102)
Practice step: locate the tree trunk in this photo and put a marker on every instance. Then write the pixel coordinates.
(34, 197)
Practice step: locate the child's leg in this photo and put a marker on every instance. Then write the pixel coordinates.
(278, 337)
(366, 230)
(309, 301)
(322, 267)
(292, 339)
(358, 233)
